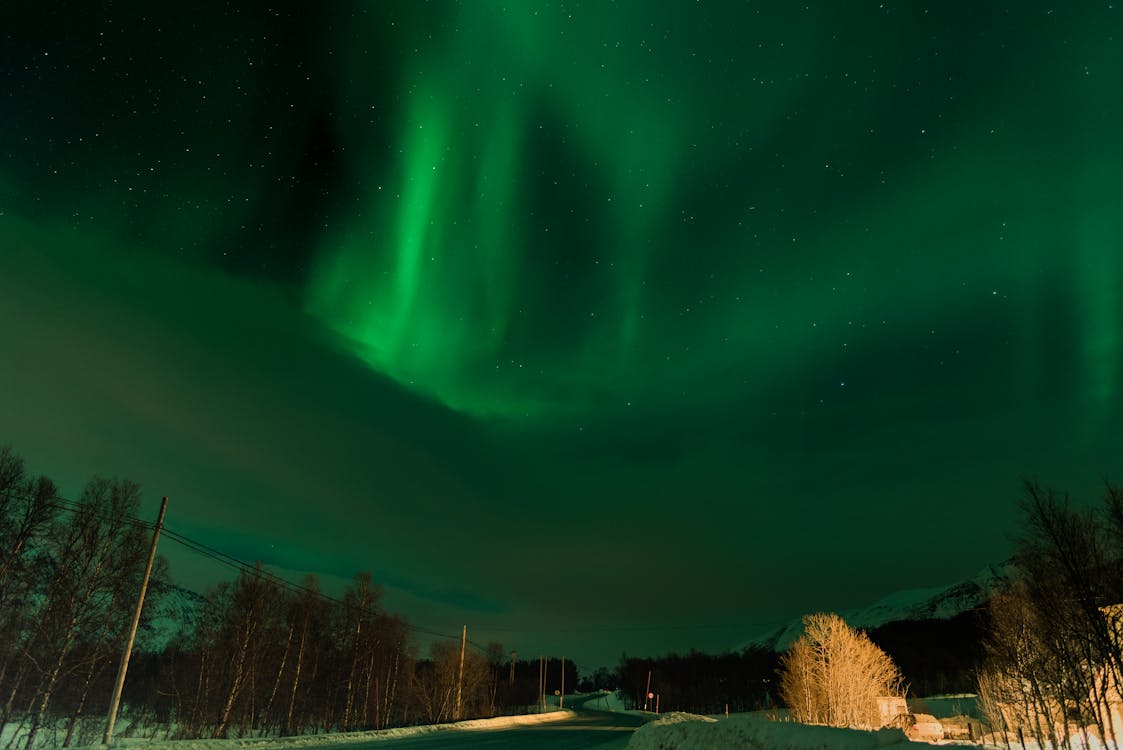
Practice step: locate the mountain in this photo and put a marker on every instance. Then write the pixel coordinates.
(937, 603)
(170, 609)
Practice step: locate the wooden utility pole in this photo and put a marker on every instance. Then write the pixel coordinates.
(115, 701)
(511, 681)
(541, 684)
(460, 675)
(561, 696)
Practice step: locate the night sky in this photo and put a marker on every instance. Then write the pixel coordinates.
(597, 326)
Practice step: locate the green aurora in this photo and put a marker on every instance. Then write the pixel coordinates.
(546, 271)
(574, 225)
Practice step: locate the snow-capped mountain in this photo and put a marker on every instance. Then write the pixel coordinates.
(937, 603)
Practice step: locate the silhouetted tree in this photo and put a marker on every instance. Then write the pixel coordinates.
(99, 553)
(699, 682)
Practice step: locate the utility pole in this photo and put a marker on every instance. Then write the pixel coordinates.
(460, 676)
(511, 681)
(647, 693)
(561, 696)
(541, 684)
(124, 666)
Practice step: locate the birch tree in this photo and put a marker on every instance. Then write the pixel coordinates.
(27, 510)
(96, 550)
(834, 675)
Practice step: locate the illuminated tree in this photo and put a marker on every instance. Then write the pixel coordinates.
(834, 675)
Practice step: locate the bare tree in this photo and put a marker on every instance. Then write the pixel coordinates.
(247, 618)
(96, 550)
(359, 613)
(27, 511)
(1054, 654)
(309, 613)
(834, 675)
(1017, 689)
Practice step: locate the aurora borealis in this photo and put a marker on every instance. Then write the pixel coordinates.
(607, 326)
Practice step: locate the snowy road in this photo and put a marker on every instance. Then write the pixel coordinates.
(587, 730)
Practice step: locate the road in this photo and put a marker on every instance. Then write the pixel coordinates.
(589, 729)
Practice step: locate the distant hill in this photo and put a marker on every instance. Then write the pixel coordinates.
(911, 605)
(174, 610)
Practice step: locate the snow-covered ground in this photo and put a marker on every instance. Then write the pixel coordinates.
(671, 731)
(1076, 742)
(746, 732)
(339, 738)
(678, 731)
(350, 738)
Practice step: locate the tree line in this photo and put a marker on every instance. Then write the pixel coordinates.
(700, 683)
(936, 657)
(265, 658)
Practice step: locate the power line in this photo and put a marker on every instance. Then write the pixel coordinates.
(75, 507)
(237, 564)
(261, 571)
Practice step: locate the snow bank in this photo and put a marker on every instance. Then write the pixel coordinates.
(1076, 742)
(341, 738)
(681, 717)
(687, 732)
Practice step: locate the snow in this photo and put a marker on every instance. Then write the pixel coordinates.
(1076, 742)
(341, 738)
(678, 731)
(747, 732)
